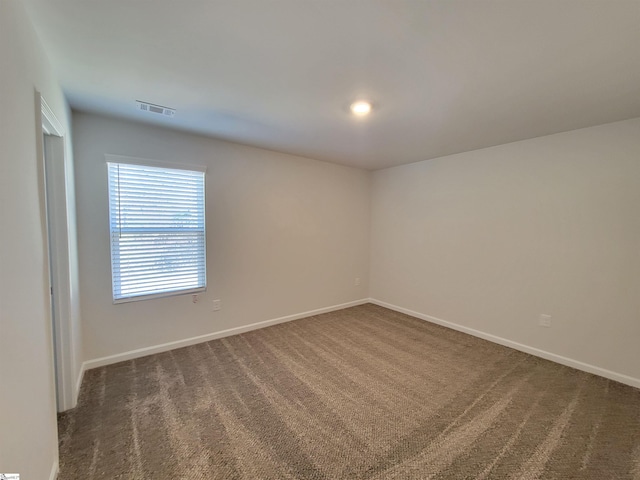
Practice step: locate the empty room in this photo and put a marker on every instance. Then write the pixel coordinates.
(320, 239)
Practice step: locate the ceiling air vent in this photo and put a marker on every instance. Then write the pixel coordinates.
(159, 109)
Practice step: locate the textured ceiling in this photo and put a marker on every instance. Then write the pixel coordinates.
(444, 76)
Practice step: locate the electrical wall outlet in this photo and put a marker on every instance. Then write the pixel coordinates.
(357, 281)
(194, 298)
(544, 320)
(216, 305)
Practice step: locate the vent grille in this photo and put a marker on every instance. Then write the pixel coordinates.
(158, 109)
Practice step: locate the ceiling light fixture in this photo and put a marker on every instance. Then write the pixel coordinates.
(361, 108)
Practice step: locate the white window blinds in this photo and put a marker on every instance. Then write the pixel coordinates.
(157, 223)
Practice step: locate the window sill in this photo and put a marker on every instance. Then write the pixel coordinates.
(173, 293)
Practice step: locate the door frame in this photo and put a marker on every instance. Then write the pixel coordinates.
(53, 162)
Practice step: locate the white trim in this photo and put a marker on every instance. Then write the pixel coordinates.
(569, 362)
(50, 123)
(76, 392)
(152, 163)
(54, 470)
(51, 137)
(165, 347)
(151, 296)
(58, 243)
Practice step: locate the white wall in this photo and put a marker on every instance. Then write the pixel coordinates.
(28, 443)
(489, 239)
(285, 235)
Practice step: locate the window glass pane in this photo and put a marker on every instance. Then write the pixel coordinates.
(157, 224)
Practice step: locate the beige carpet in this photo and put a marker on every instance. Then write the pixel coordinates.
(363, 393)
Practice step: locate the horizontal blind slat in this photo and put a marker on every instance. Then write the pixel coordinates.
(160, 271)
(159, 283)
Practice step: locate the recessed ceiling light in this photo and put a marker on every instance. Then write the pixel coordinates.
(360, 108)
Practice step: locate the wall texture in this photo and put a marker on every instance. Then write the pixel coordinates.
(285, 235)
(28, 443)
(492, 238)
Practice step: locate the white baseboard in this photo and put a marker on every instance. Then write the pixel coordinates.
(165, 347)
(569, 362)
(54, 470)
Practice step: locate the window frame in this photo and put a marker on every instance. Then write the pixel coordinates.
(144, 162)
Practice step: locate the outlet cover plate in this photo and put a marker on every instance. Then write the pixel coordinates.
(544, 320)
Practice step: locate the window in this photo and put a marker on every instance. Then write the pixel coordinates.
(157, 224)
